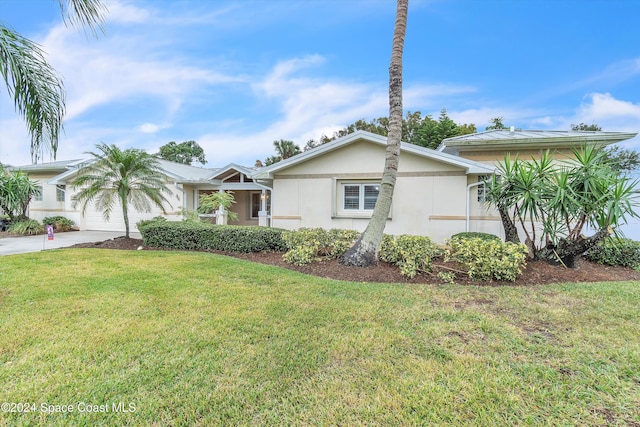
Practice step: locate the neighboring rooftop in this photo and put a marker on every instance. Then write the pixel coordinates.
(59, 166)
(502, 138)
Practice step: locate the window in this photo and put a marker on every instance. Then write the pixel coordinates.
(359, 197)
(482, 190)
(60, 192)
(37, 197)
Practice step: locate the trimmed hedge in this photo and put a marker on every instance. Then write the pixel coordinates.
(198, 235)
(617, 252)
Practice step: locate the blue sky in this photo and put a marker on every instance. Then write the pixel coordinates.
(236, 75)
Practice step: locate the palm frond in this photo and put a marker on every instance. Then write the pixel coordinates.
(84, 13)
(37, 90)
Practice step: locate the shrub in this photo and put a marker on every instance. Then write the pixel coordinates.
(616, 251)
(489, 259)
(475, 235)
(413, 254)
(307, 244)
(58, 222)
(199, 235)
(145, 222)
(26, 227)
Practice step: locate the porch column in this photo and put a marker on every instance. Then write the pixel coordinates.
(263, 218)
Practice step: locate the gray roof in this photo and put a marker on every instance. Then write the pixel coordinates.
(501, 138)
(58, 166)
(176, 171)
(183, 172)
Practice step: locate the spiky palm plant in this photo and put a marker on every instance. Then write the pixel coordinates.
(129, 177)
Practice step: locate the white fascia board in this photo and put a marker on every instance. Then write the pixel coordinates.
(567, 140)
(469, 165)
(62, 178)
(230, 166)
(268, 171)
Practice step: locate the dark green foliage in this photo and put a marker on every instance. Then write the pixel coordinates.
(26, 227)
(424, 131)
(145, 222)
(185, 152)
(203, 236)
(475, 235)
(496, 124)
(585, 127)
(16, 191)
(615, 251)
(284, 149)
(59, 223)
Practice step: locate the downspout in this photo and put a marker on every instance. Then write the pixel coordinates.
(184, 195)
(468, 215)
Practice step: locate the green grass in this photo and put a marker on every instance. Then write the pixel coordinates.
(200, 339)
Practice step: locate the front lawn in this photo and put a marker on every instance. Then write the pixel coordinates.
(179, 338)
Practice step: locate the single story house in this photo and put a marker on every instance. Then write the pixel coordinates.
(438, 192)
(185, 183)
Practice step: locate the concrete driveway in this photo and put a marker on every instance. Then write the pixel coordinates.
(24, 244)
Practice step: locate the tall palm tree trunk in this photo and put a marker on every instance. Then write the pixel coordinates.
(365, 251)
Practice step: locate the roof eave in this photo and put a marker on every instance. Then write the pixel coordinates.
(560, 142)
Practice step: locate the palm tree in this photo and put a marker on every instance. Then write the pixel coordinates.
(16, 191)
(128, 177)
(36, 88)
(365, 251)
(286, 149)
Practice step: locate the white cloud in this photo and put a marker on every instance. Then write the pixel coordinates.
(418, 97)
(603, 106)
(150, 127)
(126, 13)
(112, 71)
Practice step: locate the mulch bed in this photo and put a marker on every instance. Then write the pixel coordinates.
(535, 273)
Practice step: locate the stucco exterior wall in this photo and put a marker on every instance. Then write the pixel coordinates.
(49, 205)
(93, 219)
(429, 198)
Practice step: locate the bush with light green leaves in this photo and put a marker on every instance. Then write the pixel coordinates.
(306, 245)
(413, 254)
(488, 259)
(27, 227)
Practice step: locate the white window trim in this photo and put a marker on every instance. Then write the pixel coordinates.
(61, 189)
(338, 210)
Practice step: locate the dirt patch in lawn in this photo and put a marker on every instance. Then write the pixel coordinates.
(535, 273)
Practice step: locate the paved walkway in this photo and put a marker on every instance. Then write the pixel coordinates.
(24, 244)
